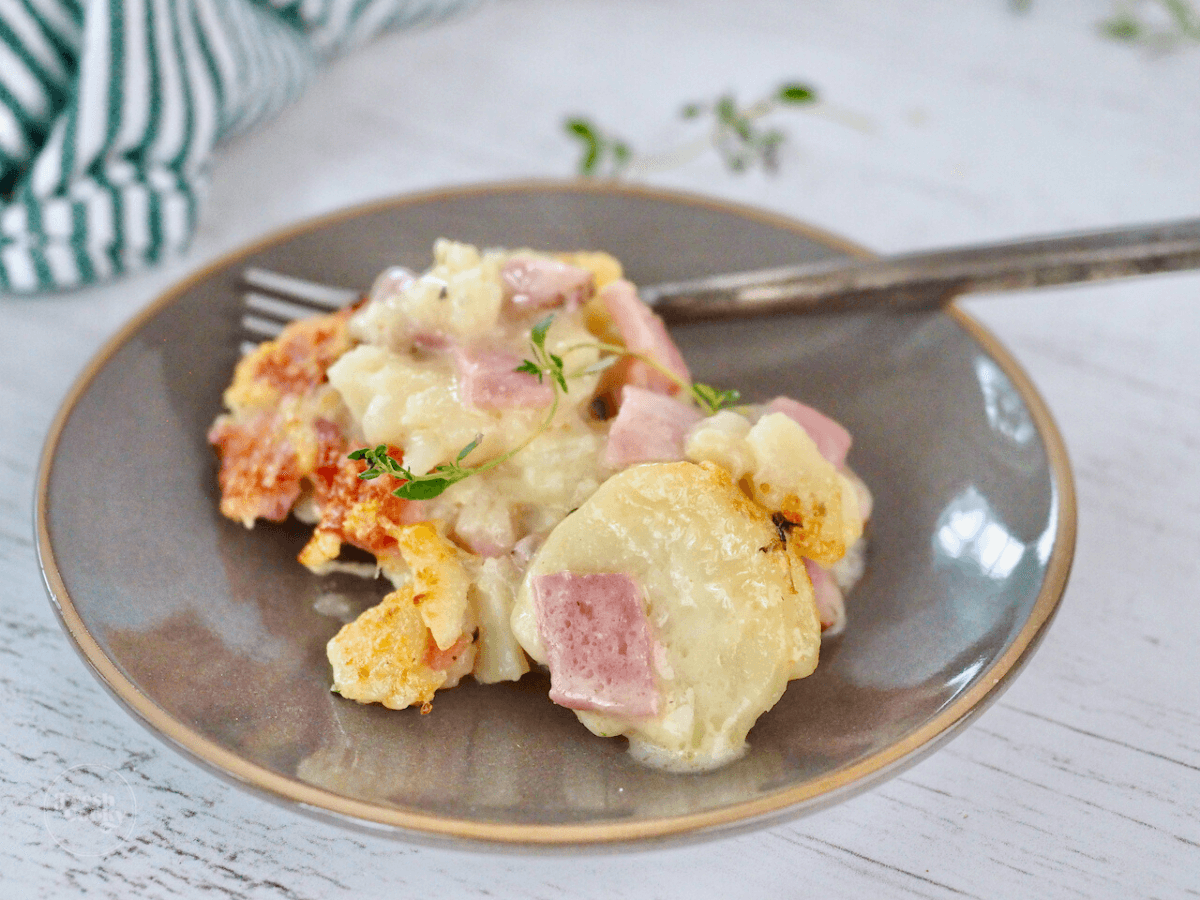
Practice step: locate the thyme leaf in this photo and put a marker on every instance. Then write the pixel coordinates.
(529, 367)
(462, 454)
(796, 93)
(426, 487)
(543, 363)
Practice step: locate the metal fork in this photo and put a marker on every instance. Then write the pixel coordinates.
(911, 281)
(275, 300)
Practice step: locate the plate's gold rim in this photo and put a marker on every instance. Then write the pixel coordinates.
(811, 796)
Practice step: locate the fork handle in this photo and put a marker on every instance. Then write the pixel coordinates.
(931, 279)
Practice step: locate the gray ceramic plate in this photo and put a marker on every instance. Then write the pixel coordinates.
(211, 635)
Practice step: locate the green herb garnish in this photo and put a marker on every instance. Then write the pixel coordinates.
(714, 400)
(736, 134)
(543, 363)
(546, 367)
(739, 138)
(1125, 25)
(415, 487)
(601, 153)
(708, 398)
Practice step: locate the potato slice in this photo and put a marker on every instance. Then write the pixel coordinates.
(731, 610)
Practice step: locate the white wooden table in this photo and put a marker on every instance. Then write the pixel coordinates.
(956, 122)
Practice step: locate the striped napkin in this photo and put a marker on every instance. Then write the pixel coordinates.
(110, 110)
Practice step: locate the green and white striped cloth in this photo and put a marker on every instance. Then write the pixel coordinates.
(110, 110)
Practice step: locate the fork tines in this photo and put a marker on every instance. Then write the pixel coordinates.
(281, 299)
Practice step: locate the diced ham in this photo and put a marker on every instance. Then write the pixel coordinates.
(488, 380)
(644, 332)
(598, 643)
(649, 427)
(832, 440)
(831, 607)
(533, 283)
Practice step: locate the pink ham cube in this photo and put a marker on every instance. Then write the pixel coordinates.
(644, 332)
(488, 380)
(533, 283)
(598, 643)
(649, 427)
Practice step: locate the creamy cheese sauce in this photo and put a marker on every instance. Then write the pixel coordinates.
(403, 388)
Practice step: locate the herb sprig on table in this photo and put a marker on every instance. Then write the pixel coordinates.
(738, 133)
(1182, 22)
(549, 368)
(1132, 21)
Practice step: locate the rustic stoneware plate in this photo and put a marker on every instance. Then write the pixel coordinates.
(213, 636)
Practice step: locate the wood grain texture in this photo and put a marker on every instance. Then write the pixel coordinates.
(946, 123)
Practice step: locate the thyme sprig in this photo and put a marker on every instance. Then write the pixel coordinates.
(735, 131)
(418, 487)
(544, 362)
(710, 399)
(546, 367)
(549, 365)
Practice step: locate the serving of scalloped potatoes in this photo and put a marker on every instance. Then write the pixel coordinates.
(670, 555)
